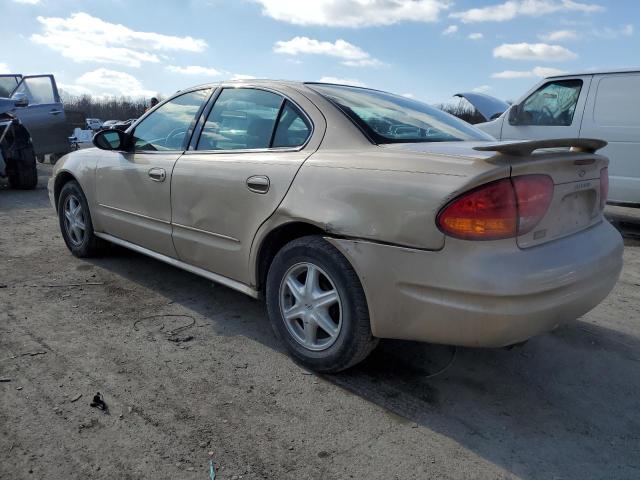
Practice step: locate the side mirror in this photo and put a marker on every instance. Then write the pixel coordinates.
(20, 99)
(514, 114)
(111, 140)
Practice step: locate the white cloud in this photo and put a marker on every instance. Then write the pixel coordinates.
(240, 76)
(353, 13)
(194, 70)
(409, 95)
(515, 8)
(103, 82)
(450, 30)
(540, 72)
(84, 38)
(533, 51)
(560, 35)
(350, 54)
(613, 33)
(343, 81)
(28, 2)
(475, 36)
(4, 68)
(481, 89)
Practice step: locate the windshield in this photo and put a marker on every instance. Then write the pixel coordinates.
(388, 118)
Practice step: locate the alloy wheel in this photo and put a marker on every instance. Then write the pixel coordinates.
(310, 306)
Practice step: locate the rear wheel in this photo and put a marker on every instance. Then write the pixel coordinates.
(317, 306)
(23, 174)
(75, 222)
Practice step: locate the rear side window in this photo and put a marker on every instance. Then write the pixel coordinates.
(553, 104)
(241, 119)
(618, 102)
(293, 128)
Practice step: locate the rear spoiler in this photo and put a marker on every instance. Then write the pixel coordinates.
(527, 147)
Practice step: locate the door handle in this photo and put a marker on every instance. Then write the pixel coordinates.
(258, 183)
(55, 112)
(157, 174)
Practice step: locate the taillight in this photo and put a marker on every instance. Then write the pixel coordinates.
(533, 194)
(604, 187)
(500, 209)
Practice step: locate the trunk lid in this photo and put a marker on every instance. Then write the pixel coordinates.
(571, 163)
(575, 169)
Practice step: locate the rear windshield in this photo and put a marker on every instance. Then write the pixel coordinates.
(388, 118)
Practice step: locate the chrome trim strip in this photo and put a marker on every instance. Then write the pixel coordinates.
(227, 282)
(134, 214)
(219, 235)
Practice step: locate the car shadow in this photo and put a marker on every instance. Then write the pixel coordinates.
(564, 405)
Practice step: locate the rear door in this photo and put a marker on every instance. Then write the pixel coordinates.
(613, 114)
(133, 188)
(250, 148)
(553, 110)
(44, 117)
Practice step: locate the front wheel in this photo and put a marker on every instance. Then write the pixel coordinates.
(75, 222)
(317, 306)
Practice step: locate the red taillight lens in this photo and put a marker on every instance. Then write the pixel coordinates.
(485, 213)
(533, 194)
(604, 187)
(501, 209)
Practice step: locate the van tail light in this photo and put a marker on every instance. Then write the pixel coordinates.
(501, 209)
(604, 187)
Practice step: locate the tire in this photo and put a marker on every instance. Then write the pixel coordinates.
(24, 173)
(346, 339)
(77, 228)
(40, 158)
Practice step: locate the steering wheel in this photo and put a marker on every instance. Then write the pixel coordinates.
(546, 113)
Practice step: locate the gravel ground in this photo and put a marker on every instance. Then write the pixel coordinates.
(565, 405)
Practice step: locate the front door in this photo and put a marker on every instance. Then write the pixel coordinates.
(554, 110)
(249, 151)
(44, 117)
(133, 188)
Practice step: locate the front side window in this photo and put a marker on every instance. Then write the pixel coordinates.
(241, 119)
(388, 118)
(553, 104)
(166, 128)
(8, 83)
(39, 90)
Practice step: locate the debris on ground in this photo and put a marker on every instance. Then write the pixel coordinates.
(186, 338)
(76, 398)
(99, 403)
(3, 380)
(212, 467)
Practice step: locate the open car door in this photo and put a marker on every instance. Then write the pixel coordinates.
(44, 115)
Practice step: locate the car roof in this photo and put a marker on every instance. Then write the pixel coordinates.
(597, 72)
(268, 83)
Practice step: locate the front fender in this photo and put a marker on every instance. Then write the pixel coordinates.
(79, 166)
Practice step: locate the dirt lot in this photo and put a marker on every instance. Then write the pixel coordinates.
(565, 405)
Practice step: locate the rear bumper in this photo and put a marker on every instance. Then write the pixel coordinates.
(484, 294)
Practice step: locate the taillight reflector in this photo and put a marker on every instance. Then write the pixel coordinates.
(500, 209)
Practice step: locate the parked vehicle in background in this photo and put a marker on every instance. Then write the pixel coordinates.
(41, 112)
(357, 214)
(109, 124)
(602, 104)
(123, 125)
(32, 125)
(94, 124)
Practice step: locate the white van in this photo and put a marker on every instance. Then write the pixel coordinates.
(603, 105)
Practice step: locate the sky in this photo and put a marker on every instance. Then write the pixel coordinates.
(425, 49)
